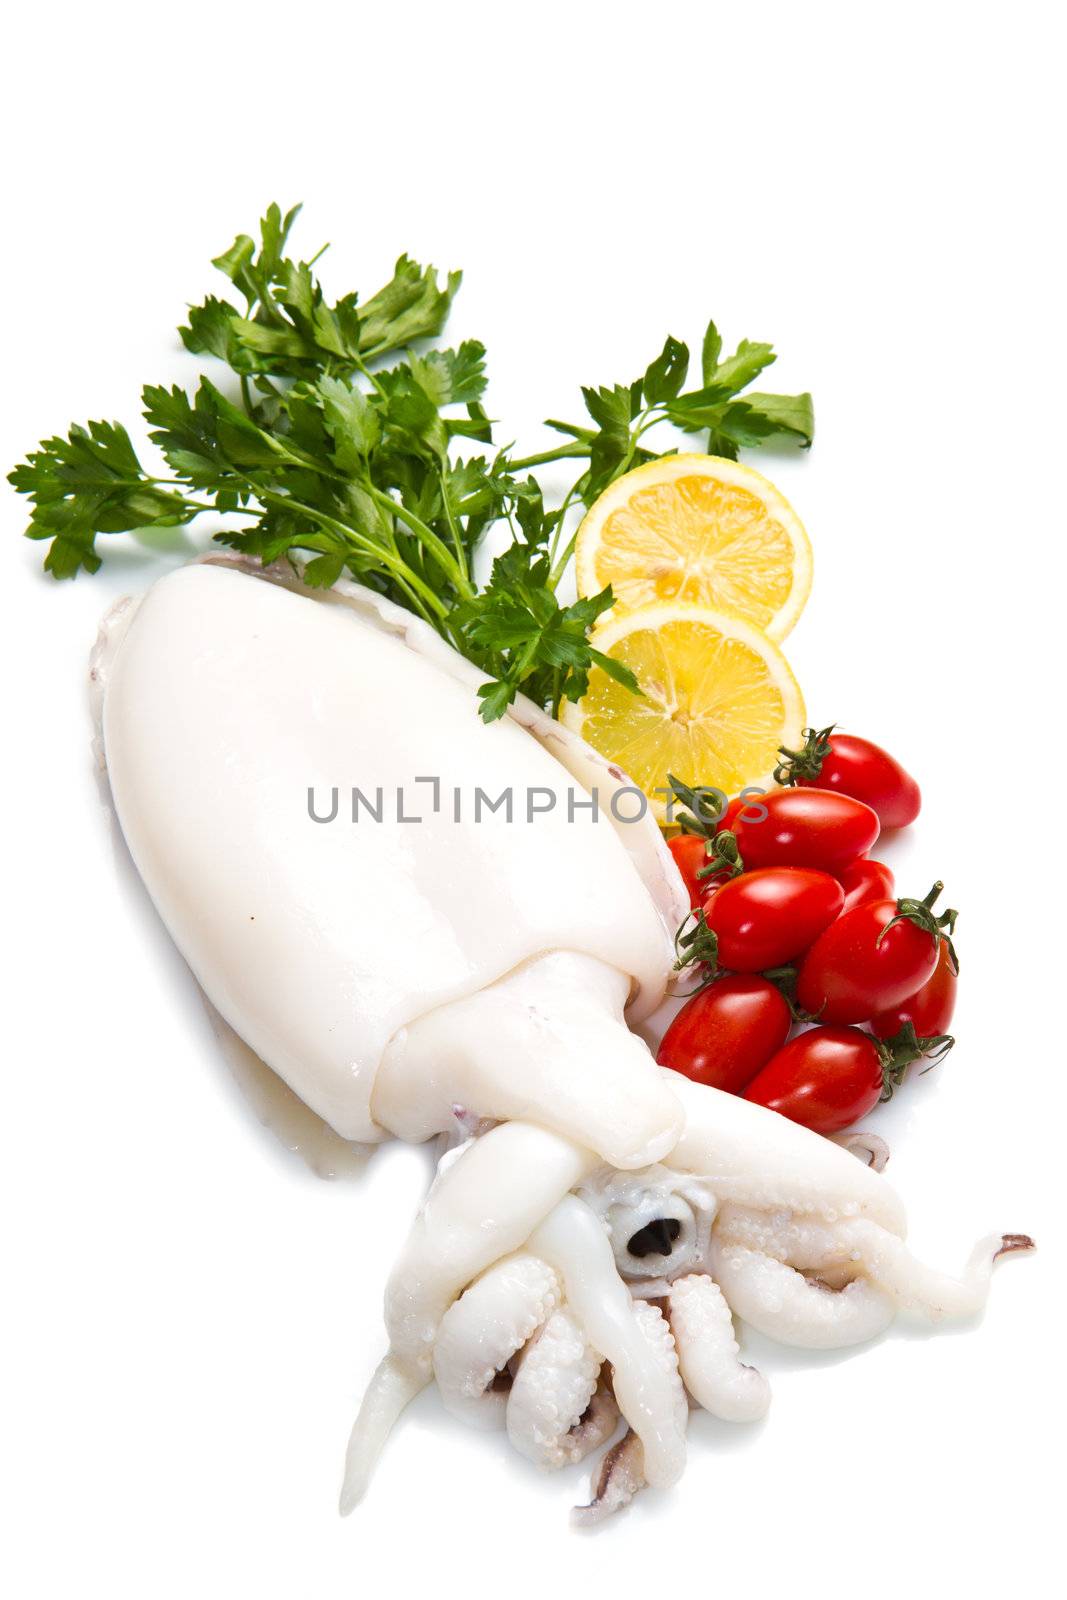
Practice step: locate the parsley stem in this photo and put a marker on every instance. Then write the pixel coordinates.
(560, 453)
(361, 366)
(641, 424)
(178, 483)
(557, 567)
(560, 566)
(389, 558)
(453, 528)
(426, 536)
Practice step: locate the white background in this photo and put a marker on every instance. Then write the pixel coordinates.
(190, 1314)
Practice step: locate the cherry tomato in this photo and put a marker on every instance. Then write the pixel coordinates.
(806, 828)
(751, 803)
(861, 965)
(824, 1079)
(729, 815)
(712, 886)
(724, 1034)
(856, 767)
(690, 854)
(767, 917)
(930, 1009)
(866, 880)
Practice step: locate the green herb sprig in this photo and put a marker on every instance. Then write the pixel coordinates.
(346, 436)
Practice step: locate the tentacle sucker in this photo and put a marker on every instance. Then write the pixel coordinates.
(708, 1352)
(482, 1330)
(801, 1241)
(777, 1300)
(551, 1415)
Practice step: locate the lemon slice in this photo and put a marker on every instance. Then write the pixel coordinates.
(718, 698)
(702, 530)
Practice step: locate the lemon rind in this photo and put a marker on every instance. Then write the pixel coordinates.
(653, 618)
(666, 469)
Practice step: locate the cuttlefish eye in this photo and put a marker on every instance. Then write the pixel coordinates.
(656, 1238)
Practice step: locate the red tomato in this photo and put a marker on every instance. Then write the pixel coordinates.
(690, 854)
(866, 880)
(750, 802)
(806, 828)
(930, 1009)
(724, 1034)
(824, 1078)
(765, 918)
(861, 769)
(712, 886)
(861, 965)
(729, 815)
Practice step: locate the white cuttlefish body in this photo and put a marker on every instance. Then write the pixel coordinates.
(229, 699)
(392, 971)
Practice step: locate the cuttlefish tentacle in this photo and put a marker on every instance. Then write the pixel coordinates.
(485, 1328)
(708, 1352)
(848, 1251)
(558, 1410)
(914, 1286)
(621, 1475)
(631, 1335)
(778, 1301)
(624, 1470)
(474, 1214)
(483, 1206)
(393, 1386)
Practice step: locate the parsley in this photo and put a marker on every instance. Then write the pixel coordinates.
(341, 434)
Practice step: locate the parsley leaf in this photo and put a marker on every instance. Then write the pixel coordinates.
(664, 377)
(332, 442)
(288, 329)
(625, 413)
(88, 483)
